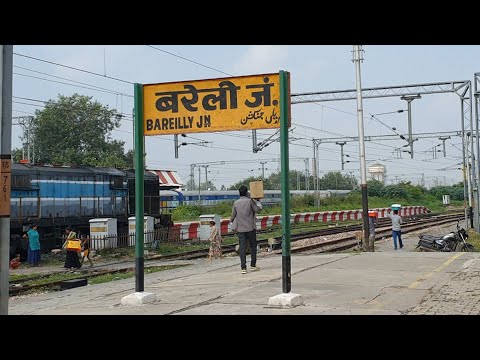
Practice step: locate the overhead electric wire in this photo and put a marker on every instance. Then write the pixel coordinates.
(25, 112)
(65, 83)
(29, 99)
(73, 68)
(74, 81)
(19, 102)
(192, 61)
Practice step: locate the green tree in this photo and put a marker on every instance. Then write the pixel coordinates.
(17, 155)
(74, 130)
(208, 185)
(455, 191)
(375, 187)
(413, 191)
(394, 192)
(245, 182)
(334, 180)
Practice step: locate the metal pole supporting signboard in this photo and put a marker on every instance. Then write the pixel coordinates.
(284, 119)
(139, 191)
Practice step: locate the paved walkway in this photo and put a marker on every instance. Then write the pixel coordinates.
(384, 282)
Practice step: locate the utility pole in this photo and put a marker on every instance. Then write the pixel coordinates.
(298, 180)
(263, 169)
(317, 179)
(175, 144)
(314, 165)
(469, 179)
(341, 143)
(315, 162)
(206, 176)
(28, 142)
(307, 176)
(254, 141)
(192, 176)
(443, 138)
(199, 183)
(475, 99)
(6, 71)
(357, 58)
(409, 99)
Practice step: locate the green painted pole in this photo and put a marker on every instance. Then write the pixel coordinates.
(284, 122)
(139, 193)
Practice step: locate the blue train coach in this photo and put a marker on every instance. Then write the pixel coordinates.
(55, 196)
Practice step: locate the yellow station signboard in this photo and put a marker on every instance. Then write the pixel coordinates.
(225, 104)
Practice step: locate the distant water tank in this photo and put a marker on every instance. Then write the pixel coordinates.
(377, 172)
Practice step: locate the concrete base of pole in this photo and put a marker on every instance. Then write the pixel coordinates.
(286, 300)
(138, 298)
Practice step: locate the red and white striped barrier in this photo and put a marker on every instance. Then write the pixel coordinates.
(189, 230)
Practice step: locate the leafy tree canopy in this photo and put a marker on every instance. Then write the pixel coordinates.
(74, 130)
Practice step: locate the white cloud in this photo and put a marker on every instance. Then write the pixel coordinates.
(261, 59)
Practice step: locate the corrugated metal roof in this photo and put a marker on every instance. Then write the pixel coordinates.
(168, 178)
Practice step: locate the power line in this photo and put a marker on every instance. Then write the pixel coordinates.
(29, 99)
(24, 112)
(192, 61)
(65, 83)
(19, 102)
(74, 81)
(73, 68)
(329, 107)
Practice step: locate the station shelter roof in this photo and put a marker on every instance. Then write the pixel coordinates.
(168, 178)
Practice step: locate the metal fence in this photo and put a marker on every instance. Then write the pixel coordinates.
(152, 239)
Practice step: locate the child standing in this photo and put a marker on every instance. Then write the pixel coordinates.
(86, 249)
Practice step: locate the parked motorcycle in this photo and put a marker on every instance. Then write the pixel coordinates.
(454, 241)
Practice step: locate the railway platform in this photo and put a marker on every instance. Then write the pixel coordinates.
(384, 282)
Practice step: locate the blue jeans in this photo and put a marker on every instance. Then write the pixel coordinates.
(395, 234)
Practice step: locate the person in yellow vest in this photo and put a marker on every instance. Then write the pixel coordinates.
(72, 261)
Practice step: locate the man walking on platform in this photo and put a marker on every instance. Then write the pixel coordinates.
(244, 214)
(396, 228)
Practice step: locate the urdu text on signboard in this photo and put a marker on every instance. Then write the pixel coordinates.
(225, 104)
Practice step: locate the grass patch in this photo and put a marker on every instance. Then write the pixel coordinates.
(474, 239)
(91, 280)
(167, 249)
(51, 278)
(16, 277)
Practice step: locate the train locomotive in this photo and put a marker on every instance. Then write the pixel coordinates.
(57, 196)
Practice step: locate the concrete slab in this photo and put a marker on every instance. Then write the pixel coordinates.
(138, 298)
(286, 300)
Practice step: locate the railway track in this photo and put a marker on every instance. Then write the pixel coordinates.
(349, 241)
(195, 254)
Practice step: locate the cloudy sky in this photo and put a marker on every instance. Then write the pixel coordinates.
(312, 68)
